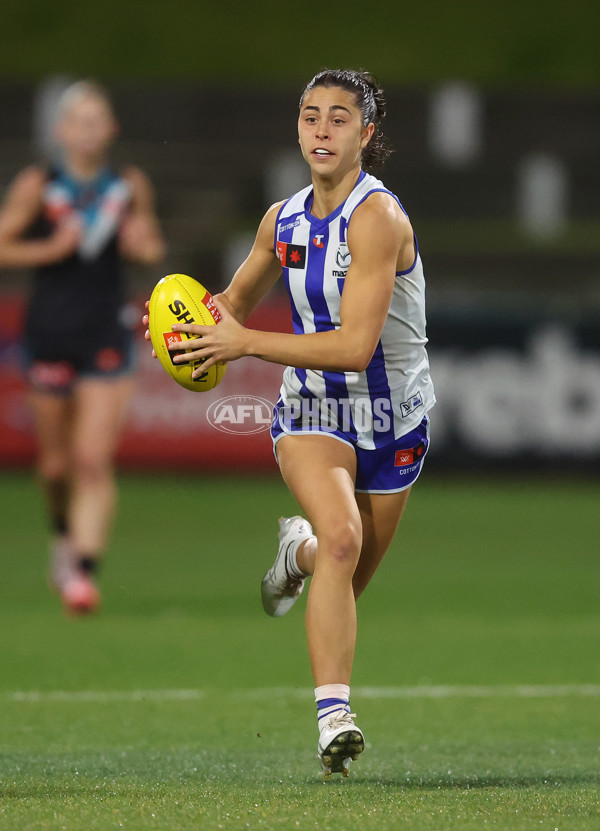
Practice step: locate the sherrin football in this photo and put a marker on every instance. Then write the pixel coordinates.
(178, 298)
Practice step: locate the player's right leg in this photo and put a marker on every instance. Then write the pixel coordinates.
(52, 415)
(319, 471)
(380, 516)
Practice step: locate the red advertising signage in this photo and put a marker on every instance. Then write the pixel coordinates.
(168, 426)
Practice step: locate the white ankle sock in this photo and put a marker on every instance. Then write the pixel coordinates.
(331, 698)
(291, 562)
(332, 691)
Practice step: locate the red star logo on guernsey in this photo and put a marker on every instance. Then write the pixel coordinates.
(295, 256)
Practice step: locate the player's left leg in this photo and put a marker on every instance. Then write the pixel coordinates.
(384, 480)
(380, 515)
(99, 414)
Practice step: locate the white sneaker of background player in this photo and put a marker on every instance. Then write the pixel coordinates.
(62, 563)
(280, 586)
(77, 590)
(340, 742)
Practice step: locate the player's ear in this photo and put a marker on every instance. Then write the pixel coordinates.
(367, 135)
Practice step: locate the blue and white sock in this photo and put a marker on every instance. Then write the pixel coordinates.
(331, 698)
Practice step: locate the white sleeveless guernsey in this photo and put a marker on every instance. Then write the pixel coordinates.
(392, 396)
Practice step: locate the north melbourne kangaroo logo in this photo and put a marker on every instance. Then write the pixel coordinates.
(343, 257)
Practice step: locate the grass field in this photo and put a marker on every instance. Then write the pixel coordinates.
(182, 706)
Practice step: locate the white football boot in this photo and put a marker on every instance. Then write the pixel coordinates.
(340, 742)
(280, 587)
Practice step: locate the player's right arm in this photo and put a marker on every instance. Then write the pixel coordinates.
(258, 273)
(19, 210)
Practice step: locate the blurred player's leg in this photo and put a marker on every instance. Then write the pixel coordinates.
(100, 409)
(53, 416)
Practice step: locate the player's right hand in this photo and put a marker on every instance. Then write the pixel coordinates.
(146, 323)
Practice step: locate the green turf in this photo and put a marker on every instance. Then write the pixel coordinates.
(183, 707)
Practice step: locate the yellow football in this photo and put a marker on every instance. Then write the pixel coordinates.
(178, 298)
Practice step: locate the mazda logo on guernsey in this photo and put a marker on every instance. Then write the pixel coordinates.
(342, 257)
(240, 414)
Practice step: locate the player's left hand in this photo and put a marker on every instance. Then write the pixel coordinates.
(224, 342)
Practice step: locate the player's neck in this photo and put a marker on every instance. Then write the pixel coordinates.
(329, 192)
(84, 167)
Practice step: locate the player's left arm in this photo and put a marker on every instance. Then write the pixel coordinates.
(380, 241)
(140, 237)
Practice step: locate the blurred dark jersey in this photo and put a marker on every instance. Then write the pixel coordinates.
(76, 301)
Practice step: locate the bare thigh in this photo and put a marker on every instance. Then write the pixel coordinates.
(53, 416)
(320, 472)
(100, 409)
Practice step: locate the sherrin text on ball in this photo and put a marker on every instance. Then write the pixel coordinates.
(178, 298)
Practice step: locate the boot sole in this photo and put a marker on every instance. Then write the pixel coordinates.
(338, 753)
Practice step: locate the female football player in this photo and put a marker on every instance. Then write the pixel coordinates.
(350, 428)
(73, 223)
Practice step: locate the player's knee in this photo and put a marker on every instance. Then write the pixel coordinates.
(90, 466)
(340, 544)
(53, 467)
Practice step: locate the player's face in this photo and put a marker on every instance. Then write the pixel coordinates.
(87, 128)
(330, 130)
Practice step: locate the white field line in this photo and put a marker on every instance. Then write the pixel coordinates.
(420, 692)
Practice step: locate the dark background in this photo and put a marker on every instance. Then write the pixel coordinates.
(207, 98)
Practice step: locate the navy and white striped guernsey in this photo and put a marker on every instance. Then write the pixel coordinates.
(391, 397)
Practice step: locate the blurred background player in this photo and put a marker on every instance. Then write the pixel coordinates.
(73, 222)
(350, 428)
